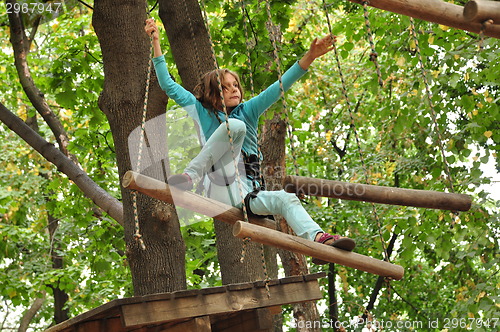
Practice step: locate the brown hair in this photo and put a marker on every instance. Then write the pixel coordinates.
(207, 91)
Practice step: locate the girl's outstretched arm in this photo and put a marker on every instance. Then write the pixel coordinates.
(317, 49)
(152, 30)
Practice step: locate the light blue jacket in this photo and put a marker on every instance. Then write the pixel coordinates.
(248, 112)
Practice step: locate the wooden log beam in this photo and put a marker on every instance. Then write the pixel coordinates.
(377, 194)
(481, 11)
(188, 200)
(317, 250)
(436, 11)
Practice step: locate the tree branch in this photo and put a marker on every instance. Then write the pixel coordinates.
(380, 280)
(85, 4)
(30, 313)
(20, 44)
(65, 165)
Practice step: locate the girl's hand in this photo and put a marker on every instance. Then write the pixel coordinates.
(151, 28)
(317, 49)
(321, 46)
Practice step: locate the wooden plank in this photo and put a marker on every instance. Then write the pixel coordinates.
(435, 11)
(318, 250)
(188, 200)
(198, 324)
(377, 194)
(242, 321)
(481, 11)
(137, 314)
(105, 311)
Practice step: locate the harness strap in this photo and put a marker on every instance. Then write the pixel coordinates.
(251, 165)
(250, 196)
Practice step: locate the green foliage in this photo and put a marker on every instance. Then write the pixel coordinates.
(450, 272)
(447, 270)
(65, 63)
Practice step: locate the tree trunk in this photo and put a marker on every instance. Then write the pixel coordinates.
(60, 297)
(126, 51)
(192, 51)
(274, 170)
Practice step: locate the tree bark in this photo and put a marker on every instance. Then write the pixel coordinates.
(441, 12)
(30, 313)
(126, 51)
(274, 170)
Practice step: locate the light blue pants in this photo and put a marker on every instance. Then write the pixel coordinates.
(218, 150)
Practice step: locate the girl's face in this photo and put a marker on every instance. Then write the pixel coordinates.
(231, 91)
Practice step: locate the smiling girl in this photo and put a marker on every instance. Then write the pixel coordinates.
(215, 159)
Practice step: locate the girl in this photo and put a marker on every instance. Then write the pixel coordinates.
(205, 106)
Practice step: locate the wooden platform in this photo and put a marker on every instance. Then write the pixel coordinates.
(242, 307)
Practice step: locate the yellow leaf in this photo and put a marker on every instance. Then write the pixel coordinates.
(480, 296)
(470, 314)
(329, 135)
(488, 133)
(466, 77)
(475, 112)
(12, 294)
(401, 61)
(456, 56)
(444, 27)
(431, 39)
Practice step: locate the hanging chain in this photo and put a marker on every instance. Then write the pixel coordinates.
(356, 133)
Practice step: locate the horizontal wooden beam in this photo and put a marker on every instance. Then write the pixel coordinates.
(237, 299)
(481, 11)
(435, 11)
(188, 200)
(377, 194)
(317, 250)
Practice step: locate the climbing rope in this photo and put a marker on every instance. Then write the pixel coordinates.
(248, 47)
(484, 26)
(428, 92)
(373, 54)
(355, 130)
(433, 113)
(234, 154)
(137, 234)
(275, 38)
